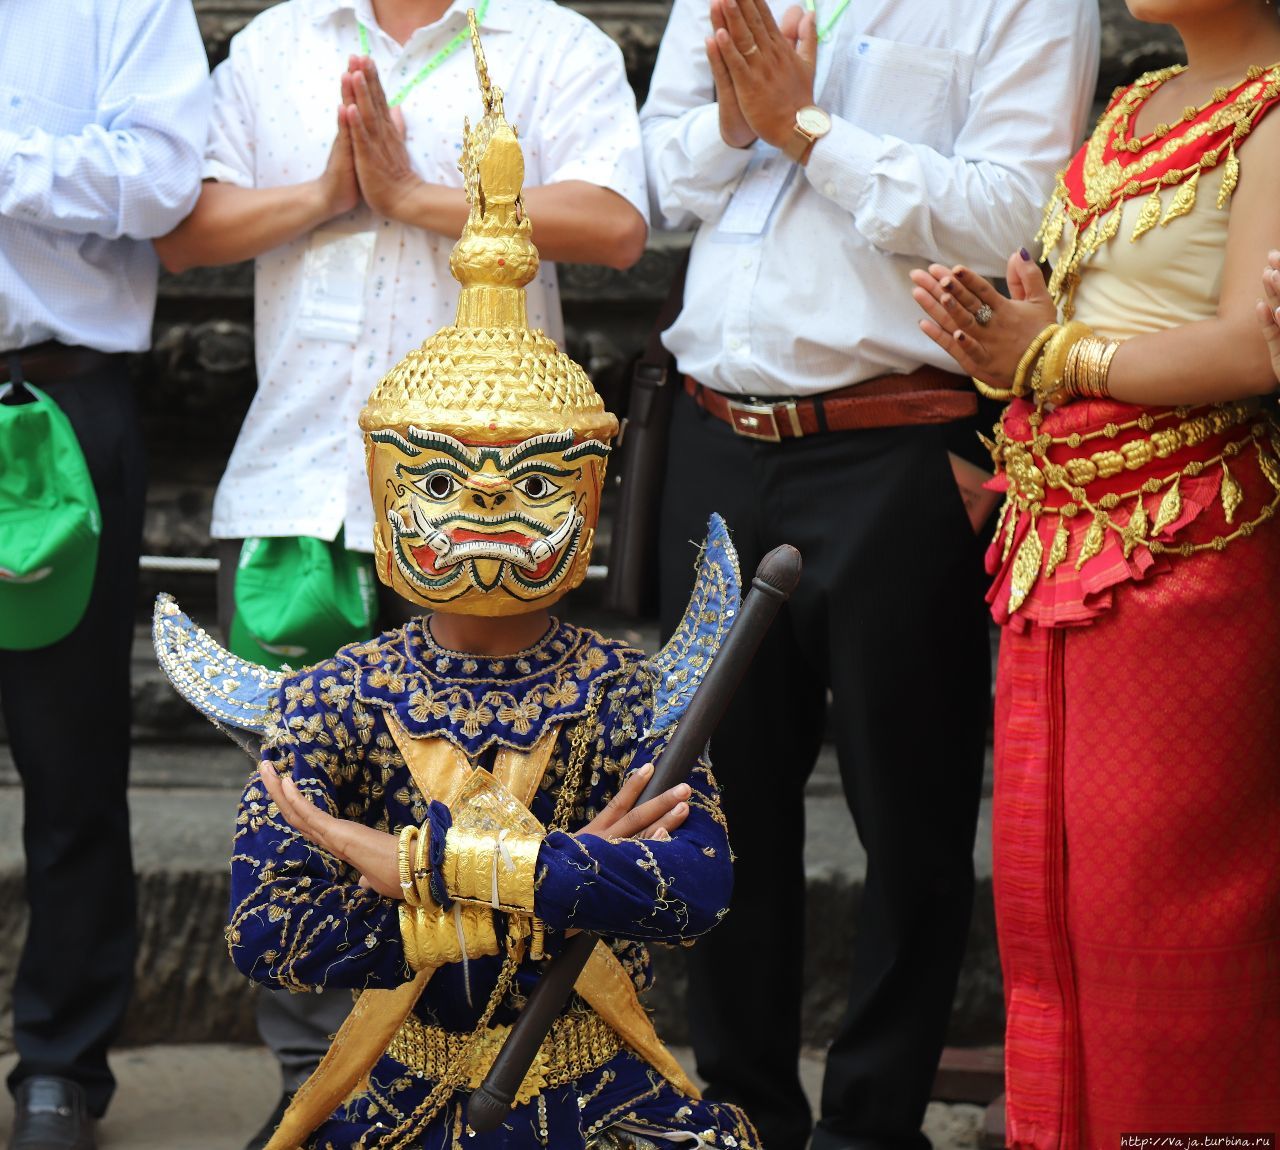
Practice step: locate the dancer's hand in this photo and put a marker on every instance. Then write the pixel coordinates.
(1269, 309)
(655, 819)
(374, 853)
(956, 300)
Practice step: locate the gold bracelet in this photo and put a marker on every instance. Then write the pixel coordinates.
(1003, 394)
(408, 837)
(1085, 372)
(1056, 353)
(421, 869)
(1029, 357)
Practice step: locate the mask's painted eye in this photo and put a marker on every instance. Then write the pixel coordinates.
(536, 486)
(438, 484)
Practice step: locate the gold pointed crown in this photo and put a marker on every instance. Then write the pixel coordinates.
(490, 377)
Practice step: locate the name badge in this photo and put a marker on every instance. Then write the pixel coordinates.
(333, 284)
(756, 195)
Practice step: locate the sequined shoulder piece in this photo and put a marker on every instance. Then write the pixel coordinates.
(682, 663)
(232, 693)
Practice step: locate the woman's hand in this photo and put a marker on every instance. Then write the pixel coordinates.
(1269, 309)
(655, 819)
(958, 301)
(374, 853)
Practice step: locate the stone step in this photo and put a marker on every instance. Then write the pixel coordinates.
(183, 801)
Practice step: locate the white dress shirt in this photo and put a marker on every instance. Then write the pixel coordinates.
(298, 465)
(103, 108)
(950, 119)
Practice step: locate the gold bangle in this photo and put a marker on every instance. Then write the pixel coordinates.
(421, 870)
(1003, 394)
(1057, 351)
(1087, 365)
(408, 890)
(1029, 357)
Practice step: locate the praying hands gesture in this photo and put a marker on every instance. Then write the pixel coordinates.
(763, 71)
(376, 132)
(375, 853)
(985, 333)
(1269, 309)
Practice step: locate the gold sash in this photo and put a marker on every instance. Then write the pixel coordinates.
(441, 769)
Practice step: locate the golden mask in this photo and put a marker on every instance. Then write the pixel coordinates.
(486, 446)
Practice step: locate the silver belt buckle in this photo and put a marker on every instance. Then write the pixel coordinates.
(760, 420)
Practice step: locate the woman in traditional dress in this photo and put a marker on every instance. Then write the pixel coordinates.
(1137, 728)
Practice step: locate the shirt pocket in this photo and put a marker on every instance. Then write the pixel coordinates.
(21, 112)
(913, 92)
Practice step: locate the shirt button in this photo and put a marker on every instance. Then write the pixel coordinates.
(735, 344)
(829, 189)
(746, 263)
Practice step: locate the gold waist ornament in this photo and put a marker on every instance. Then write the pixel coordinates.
(577, 1045)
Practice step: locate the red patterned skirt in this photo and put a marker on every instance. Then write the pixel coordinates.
(1137, 800)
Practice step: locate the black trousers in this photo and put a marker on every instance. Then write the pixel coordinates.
(888, 618)
(66, 707)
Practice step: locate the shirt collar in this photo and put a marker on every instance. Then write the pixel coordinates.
(499, 17)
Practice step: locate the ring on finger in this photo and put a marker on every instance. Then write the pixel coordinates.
(984, 315)
(752, 50)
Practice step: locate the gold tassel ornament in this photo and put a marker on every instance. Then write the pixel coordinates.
(1057, 549)
(1232, 494)
(1149, 216)
(1170, 507)
(1230, 176)
(1093, 539)
(1026, 566)
(1183, 201)
(1135, 531)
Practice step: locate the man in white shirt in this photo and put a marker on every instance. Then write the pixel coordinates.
(820, 158)
(333, 161)
(105, 109)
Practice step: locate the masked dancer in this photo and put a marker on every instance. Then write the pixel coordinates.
(438, 806)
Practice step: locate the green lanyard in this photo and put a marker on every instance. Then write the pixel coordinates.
(439, 58)
(824, 33)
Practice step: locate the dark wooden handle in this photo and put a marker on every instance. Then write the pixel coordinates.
(775, 579)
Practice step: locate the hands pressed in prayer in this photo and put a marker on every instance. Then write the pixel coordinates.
(375, 853)
(382, 165)
(983, 331)
(763, 72)
(1269, 309)
(338, 182)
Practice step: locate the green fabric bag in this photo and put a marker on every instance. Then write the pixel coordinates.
(49, 523)
(299, 599)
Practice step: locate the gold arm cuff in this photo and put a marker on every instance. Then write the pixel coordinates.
(433, 937)
(1056, 352)
(409, 837)
(1029, 357)
(496, 871)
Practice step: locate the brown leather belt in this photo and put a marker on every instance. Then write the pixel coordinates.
(53, 362)
(926, 395)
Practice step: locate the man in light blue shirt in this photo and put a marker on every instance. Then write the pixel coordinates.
(105, 107)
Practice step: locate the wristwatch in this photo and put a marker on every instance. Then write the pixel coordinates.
(812, 123)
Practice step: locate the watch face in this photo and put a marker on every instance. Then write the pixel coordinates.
(813, 121)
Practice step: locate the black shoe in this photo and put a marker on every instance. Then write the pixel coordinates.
(263, 1136)
(51, 1114)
